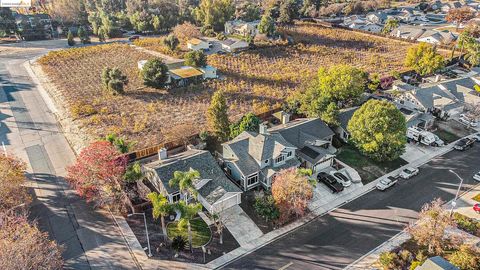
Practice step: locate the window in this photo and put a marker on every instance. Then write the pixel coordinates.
(176, 197)
(252, 180)
(280, 159)
(289, 154)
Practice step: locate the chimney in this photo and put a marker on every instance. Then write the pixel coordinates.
(162, 153)
(263, 128)
(285, 118)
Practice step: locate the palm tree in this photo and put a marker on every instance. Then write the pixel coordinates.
(390, 24)
(188, 211)
(184, 181)
(161, 208)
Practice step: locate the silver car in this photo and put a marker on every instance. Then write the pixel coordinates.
(341, 178)
(409, 173)
(386, 183)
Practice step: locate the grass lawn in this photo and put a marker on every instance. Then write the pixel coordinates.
(477, 197)
(368, 169)
(200, 232)
(446, 136)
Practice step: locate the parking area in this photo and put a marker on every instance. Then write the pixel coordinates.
(415, 151)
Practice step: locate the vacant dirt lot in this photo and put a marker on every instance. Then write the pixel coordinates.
(255, 81)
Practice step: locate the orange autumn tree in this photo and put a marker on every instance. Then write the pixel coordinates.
(291, 191)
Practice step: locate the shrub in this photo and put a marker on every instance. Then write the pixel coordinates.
(171, 42)
(387, 260)
(265, 207)
(178, 243)
(221, 36)
(196, 59)
(415, 264)
(467, 224)
(155, 73)
(80, 109)
(466, 258)
(113, 80)
(70, 40)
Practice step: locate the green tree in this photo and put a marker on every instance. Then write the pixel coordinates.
(184, 181)
(390, 24)
(248, 12)
(248, 122)
(161, 208)
(113, 80)
(378, 129)
(120, 143)
(133, 173)
(330, 115)
(288, 11)
(266, 26)
(70, 40)
(189, 212)
(171, 41)
(214, 13)
(217, 116)
(7, 22)
(101, 35)
(388, 260)
(196, 59)
(340, 83)
(424, 59)
(155, 73)
(82, 34)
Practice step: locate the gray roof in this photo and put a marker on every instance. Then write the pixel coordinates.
(437, 263)
(298, 131)
(204, 163)
(312, 153)
(345, 116)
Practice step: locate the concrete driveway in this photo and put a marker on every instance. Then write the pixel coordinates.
(466, 202)
(240, 225)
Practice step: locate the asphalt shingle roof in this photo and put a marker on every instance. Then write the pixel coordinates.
(204, 163)
(345, 116)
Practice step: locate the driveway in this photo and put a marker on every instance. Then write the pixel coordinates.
(240, 225)
(465, 204)
(415, 151)
(340, 237)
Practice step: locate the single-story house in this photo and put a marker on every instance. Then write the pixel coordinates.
(437, 263)
(437, 37)
(253, 159)
(215, 191)
(377, 17)
(415, 118)
(196, 44)
(372, 27)
(344, 117)
(234, 45)
(446, 97)
(242, 28)
(185, 75)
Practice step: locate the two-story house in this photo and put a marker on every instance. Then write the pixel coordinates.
(215, 191)
(252, 159)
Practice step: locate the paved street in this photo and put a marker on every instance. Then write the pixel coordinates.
(29, 130)
(344, 235)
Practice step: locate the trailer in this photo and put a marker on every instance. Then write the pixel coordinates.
(419, 135)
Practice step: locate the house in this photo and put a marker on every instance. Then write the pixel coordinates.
(443, 98)
(353, 19)
(415, 118)
(437, 263)
(242, 28)
(446, 7)
(372, 27)
(209, 72)
(196, 44)
(408, 32)
(215, 191)
(253, 159)
(435, 5)
(377, 17)
(344, 117)
(437, 37)
(234, 45)
(184, 76)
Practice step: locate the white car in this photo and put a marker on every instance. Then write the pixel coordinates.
(409, 173)
(476, 137)
(438, 141)
(341, 178)
(386, 183)
(467, 121)
(477, 176)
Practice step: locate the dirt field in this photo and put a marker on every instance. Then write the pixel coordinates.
(256, 81)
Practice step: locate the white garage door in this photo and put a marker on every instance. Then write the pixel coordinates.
(323, 165)
(228, 202)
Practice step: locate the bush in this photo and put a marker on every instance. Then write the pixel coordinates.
(196, 59)
(155, 73)
(265, 207)
(221, 36)
(80, 109)
(415, 264)
(113, 80)
(387, 260)
(178, 243)
(70, 40)
(171, 42)
(467, 224)
(466, 258)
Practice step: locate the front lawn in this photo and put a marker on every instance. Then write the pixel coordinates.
(367, 168)
(477, 197)
(200, 232)
(446, 136)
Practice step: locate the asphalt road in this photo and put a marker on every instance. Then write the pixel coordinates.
(337, 239)
(29, 130)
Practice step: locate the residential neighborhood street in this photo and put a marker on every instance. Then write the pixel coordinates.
(339, 238)
(29, 131)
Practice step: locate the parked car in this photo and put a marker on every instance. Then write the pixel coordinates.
(408, 173)
(464, 144)
(386, 183)
(476, 137)
(341, 178)
(134, 37)
(476, 208)
(477, 176)
(221, 52)
(330, 182)
(438, 141)
(467, 121)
